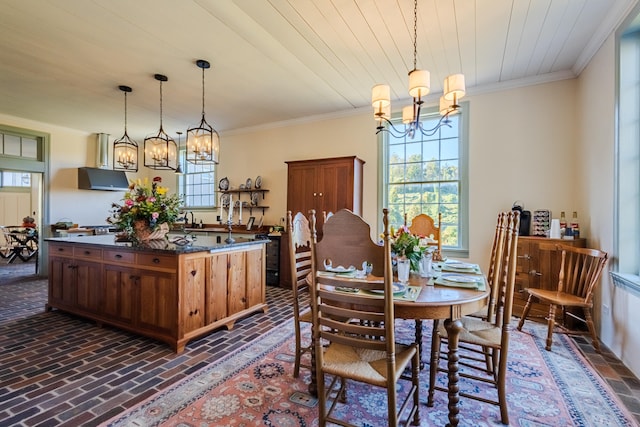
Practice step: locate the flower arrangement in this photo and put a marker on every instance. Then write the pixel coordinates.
(411, 246)
(145, 206)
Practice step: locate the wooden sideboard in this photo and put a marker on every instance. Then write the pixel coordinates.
(171, 297)
(537, 268)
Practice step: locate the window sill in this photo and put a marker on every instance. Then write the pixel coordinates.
(628, 282)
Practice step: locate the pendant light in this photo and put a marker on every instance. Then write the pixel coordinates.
(419, 86)
(125, 149)
(179, 170)
(203, 142)
(160, 151)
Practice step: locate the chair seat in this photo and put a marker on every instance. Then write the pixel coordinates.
(306, 316)
(559, 298)
(476, 331)
(365, 365)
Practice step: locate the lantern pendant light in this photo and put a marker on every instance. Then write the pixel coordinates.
(160, 150)
(203, 142)
(125, 149)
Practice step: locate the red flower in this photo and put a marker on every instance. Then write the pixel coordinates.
(157, 179)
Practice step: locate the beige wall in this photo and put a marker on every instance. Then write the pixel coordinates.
(616, 309)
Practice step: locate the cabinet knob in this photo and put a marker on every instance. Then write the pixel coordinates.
(156, 260)
(118, 256)
(315, 194)
(87, 252)
(320, 194)
(193, 272)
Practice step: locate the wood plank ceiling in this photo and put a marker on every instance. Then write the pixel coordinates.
(61, 61)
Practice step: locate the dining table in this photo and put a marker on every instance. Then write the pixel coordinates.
(448, 294)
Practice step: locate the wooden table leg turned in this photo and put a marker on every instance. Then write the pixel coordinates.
(453, 327)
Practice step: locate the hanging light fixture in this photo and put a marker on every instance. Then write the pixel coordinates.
(203, 142)
(419, 86)
(125, 149)
(179, 170)
(160, 151)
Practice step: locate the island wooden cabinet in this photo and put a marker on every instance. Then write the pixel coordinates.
(326, 185)
(539, 268)
(170, 297)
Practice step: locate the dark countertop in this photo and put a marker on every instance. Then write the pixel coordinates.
(176, 244)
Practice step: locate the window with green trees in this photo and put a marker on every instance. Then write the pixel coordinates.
(428, 174)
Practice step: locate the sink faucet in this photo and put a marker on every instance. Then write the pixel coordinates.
(193, 220)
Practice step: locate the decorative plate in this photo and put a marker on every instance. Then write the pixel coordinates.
(398, 289)
(248, 184)
(224, 184)
(258, 182)
(254, 199)
(459, 278)
(225, 200)
(340, 269)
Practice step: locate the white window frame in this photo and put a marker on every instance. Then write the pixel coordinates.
(462, 248)
(187, 186)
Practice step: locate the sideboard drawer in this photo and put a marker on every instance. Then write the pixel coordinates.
(119, 256)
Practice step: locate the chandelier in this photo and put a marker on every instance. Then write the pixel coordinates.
(160, 151)
(203, 142)
(419, 86)
(125, 149)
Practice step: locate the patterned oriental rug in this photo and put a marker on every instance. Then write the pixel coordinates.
(254, 387)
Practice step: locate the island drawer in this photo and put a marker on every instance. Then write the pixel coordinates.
(119, 256)
(84, 252)
(155, 260)
(63, 250)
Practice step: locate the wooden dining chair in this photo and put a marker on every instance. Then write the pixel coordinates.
(580, 270)
(484, 344)
(354, 327)
(424, 225)
(495, 265)
(300, 256)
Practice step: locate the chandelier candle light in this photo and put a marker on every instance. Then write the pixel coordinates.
(203, 142)
(125, 149)
(160, 151)
(419, 87)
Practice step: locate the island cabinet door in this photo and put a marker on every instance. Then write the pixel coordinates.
(194, 273)
(118, 294)
(88, 277)
(216, 290)
(158, 308)
(61, 282)
(255, 266)
(237, 282)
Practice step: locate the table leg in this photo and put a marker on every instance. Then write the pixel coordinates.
(453, 327)
(419, 341)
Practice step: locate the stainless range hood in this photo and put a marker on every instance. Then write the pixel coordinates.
(102, 179)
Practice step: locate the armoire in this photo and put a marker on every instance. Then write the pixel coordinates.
(326, 185)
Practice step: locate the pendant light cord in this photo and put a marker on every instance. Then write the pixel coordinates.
(415, 34)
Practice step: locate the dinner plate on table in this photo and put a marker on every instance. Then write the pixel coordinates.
(340, 269)
(398, 289)
(458, 278)
(460, 265)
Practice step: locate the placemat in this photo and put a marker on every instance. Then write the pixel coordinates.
(479, 283)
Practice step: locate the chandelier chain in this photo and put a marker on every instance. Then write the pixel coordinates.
(203, 92)
(415, 34)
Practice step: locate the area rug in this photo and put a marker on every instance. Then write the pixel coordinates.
(254, 387)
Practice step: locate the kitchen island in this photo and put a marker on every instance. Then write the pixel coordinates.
(172, 292)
